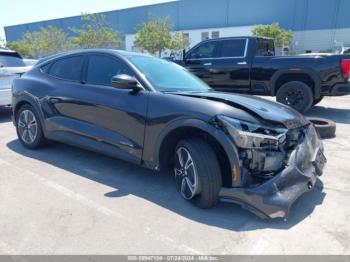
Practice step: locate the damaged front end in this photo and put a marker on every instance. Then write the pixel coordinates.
(277, 165)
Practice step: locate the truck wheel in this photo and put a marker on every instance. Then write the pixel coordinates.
(197, 173)
(316, 101)
(295, 94)
(325, 128)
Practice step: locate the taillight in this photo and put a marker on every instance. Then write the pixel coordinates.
(345, 67)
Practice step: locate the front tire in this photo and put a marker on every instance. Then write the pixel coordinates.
(197, 173)
(295, 94)
(29, 128)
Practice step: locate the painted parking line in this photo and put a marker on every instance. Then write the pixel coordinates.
(166, 240)
(66, 192)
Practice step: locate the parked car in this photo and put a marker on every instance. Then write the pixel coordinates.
(249, 65)
(11, 67)
(156, 114)
(343, 50)
(30, 62)
(346, 50)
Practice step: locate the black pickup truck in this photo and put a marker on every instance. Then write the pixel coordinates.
(249, 65)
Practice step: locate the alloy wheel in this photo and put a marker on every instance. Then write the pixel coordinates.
(294, 97)
(186, 174)
(27, 126)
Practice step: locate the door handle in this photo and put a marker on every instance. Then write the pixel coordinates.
(242, 63)
(54, 100)
(207, 64)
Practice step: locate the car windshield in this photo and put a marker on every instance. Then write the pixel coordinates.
(167, 76)
(10, 61)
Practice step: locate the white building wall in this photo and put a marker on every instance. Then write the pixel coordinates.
(321, 40)
(314, 40)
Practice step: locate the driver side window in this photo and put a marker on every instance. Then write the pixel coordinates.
(206, 50)
(101, 69)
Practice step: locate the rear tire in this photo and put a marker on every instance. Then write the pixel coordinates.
(29, 128)
(297, 95)
(198, 174)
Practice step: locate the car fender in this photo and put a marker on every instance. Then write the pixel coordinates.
(25, 97)
(297, 70)
(209, 128)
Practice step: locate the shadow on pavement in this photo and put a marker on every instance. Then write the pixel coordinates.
(126, 179)
(338, 115)
(5, 114)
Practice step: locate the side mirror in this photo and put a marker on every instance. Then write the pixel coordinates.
(126, 82)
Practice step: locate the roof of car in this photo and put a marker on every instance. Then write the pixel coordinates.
(94, 50)
(233, 37)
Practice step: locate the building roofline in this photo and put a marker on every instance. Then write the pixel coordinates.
(102, 12)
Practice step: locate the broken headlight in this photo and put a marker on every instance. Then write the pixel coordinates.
(250, 135)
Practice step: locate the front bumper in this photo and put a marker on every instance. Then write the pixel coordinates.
(274, 198)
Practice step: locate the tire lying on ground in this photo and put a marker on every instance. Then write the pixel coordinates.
(326, 128)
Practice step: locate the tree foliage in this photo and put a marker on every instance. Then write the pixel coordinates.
(46, 41)
(179, 42)
(21, 47)
(156, 36)
(281, 36)
(95, 33)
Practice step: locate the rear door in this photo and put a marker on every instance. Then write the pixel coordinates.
(231, 68)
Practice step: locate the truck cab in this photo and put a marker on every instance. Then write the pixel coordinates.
(249, 65)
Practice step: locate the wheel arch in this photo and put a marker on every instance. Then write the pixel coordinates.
(307, 76)
(224, 149)
(29, 100)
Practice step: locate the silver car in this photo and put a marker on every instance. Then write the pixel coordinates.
(11, 67)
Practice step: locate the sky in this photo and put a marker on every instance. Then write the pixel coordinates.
(13, 12)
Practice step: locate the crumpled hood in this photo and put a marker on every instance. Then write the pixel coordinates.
(262, 108)
(14, 70)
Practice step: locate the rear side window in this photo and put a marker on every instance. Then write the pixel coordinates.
(11, 60)
(206, 50)
(101, 69)
(233, 48)
(68, 68)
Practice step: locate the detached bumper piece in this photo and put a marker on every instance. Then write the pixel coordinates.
(274, 198)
